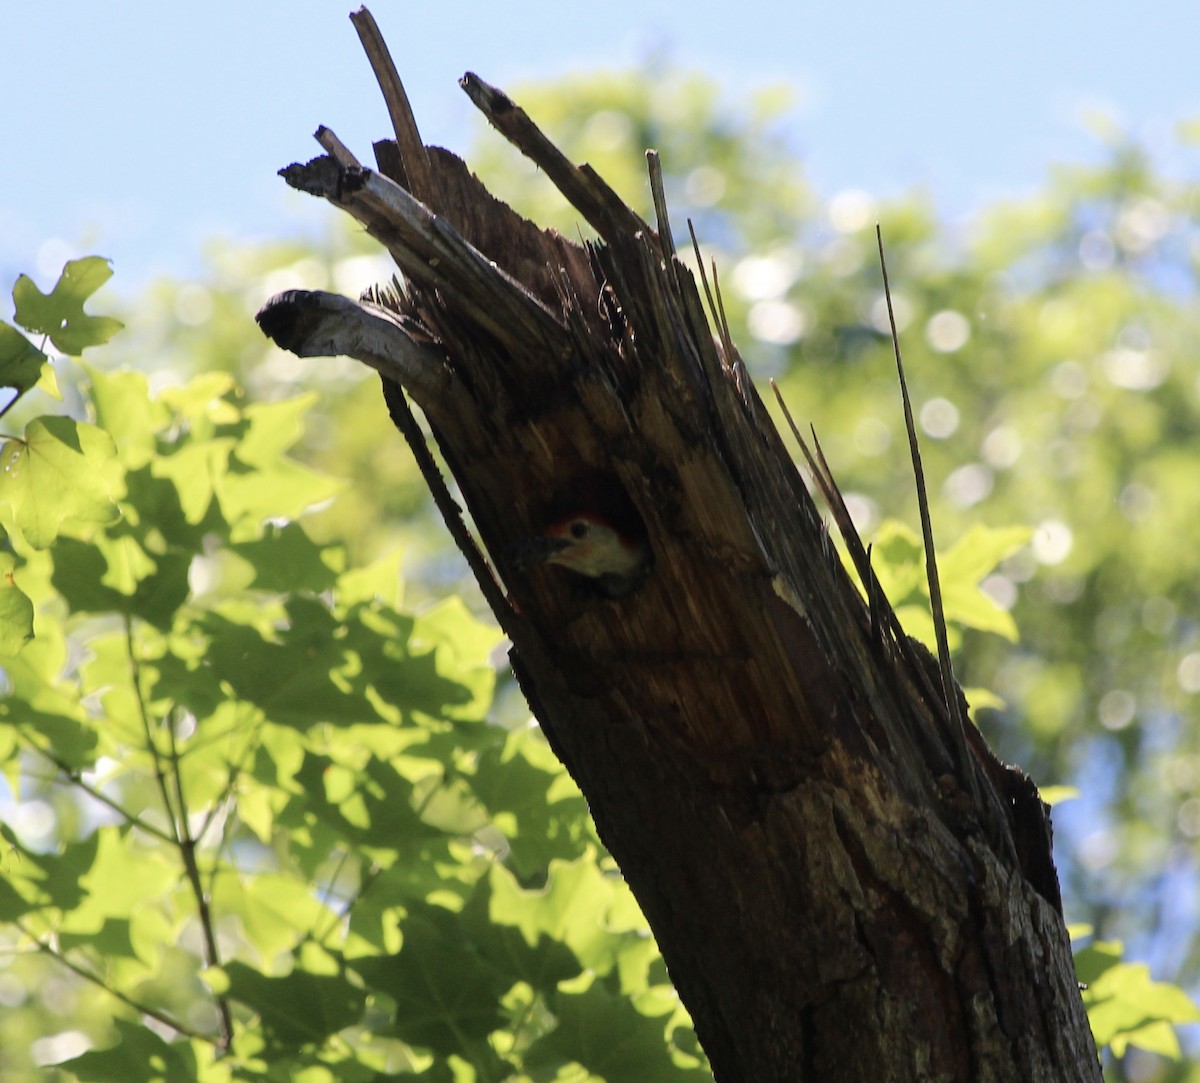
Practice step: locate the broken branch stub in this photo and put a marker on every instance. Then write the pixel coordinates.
(771, 763)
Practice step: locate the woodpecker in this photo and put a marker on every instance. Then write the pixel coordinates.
(589, 545)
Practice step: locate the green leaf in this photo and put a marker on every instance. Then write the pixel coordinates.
(976, 553)
(297, 1009)
(377, 582)
(195, 470)
(1126, 1006)
(63, 473)
(1156, 1037)
(284, 490)
(111, 940)
(371, 808)
(897, 555)
(898, 561)
(304, 677)
(21, 361)
(121, 878)
(204, 399)
(609, 1037)
(464, 646)
(533, 952)
(273, 428)
(113, 573)
(533, 801)
(59, 314)
(272, 908)
(139, 1054)
(445, 992)
(47, 717)
(1097, 959)
(981, 699)
(286, 558)
(1056, 795)
(965, 564)
(125, 410)
(572, 908)
(16, 610)
(52, 881)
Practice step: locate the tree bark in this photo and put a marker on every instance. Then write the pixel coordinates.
(844, 885)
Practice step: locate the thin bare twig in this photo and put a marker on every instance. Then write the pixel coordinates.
(176, 811)
(70, 776)
(95, 979)
(160, 777)
(451, 513)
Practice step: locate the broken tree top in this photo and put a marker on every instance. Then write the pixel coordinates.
(740, 707)
(554, 372)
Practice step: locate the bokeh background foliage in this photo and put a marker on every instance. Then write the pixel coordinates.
(260, 677)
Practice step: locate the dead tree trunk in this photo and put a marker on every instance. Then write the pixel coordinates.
(843, 884)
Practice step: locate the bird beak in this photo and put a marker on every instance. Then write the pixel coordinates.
(536, 550)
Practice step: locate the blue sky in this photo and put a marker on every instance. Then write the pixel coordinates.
(136, 130)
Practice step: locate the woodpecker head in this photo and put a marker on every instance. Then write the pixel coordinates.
(589, 545)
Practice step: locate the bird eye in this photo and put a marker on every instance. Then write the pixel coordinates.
(579, 529)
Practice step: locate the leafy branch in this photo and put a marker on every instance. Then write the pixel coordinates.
(72, 776)
(87, 975)
(176, 811)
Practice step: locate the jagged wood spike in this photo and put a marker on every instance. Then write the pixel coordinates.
(583, 188)
(873, 602)
(336, 149)
(430, 250)
(829, 492)
(949, 686)
(659, 194)
(418, 174)
(860, 555)
(714, 313)
(723, 320)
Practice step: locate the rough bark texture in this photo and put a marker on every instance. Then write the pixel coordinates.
(771, 763)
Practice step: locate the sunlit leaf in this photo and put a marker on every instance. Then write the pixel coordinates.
(125, 410)
(120, 879)
(1056, 795)
(59, 314)
(273, 909)
(1126, 1007)
(571, 908)
(63, 472)
(274, 428)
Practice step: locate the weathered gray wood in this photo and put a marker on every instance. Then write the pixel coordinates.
(313, 323)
